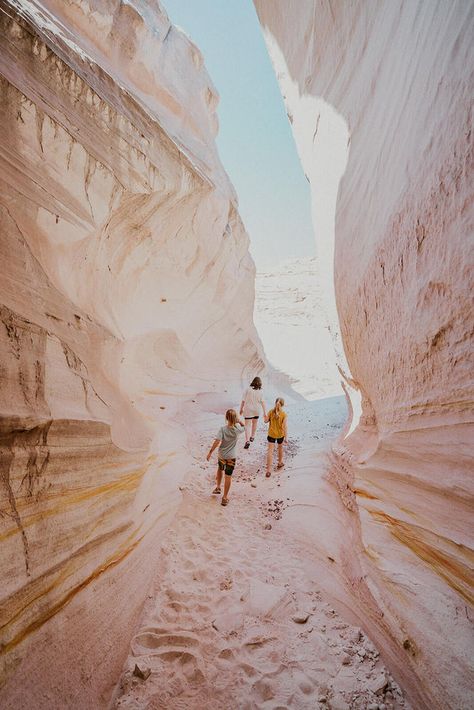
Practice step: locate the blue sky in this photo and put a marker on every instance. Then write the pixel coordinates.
(255, 140)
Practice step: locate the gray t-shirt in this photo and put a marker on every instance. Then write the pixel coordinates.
(228, 437)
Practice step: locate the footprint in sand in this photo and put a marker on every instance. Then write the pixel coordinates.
(179, 649)
(201, 575)
(171, 612)
(264, 689)
(179, 595)
(257, 656)
(153, 642)
(204, 609)
(227, 654)
(249, 670)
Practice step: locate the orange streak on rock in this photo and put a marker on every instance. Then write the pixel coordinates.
(55, 608)
(126, 483)
(457, 573)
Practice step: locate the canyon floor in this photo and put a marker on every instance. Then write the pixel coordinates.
(236, 618)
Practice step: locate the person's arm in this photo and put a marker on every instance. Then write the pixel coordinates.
(262, 402)
(266, 418)
(241, 421)
(242, 404)
(215, 444)
(285, 431)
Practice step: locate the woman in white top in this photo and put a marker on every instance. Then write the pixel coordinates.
(252, 400)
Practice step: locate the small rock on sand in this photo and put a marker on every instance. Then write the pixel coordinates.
(377, 684)
(137, 671)
(301, 617)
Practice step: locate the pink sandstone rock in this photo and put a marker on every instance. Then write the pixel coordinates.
(379, 97)
(122, 250)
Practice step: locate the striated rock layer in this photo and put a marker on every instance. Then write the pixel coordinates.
(123, 258)
(379, 97)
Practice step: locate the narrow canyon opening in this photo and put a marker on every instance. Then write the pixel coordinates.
(132, 317)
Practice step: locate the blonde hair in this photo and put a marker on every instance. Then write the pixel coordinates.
(279, 403)
(231, 416)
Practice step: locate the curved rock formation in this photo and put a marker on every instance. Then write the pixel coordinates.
(379, 96)
(127, 284)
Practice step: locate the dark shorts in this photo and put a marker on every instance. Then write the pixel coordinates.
(226, 465)
(251, 417)
(272, 440)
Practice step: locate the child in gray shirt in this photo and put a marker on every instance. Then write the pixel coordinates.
(226, 440)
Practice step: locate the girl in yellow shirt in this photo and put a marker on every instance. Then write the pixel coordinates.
(277, 433)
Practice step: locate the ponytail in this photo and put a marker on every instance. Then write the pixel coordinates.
(279, 403)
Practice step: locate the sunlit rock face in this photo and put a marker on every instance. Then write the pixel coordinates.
(379, 98)
(126, 285)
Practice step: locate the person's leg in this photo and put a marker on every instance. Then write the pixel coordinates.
(229, 469)
(227, 482)
(280, 455)
(270, 446)
(218, 478)
(254, 429)
(248, 428)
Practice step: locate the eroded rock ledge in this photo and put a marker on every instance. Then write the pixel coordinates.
(121, 249)
(379, 97)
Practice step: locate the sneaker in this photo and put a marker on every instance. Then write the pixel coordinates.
(247, 445)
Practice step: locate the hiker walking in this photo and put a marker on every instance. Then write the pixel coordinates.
(252, 400)
(226, 440)
(277, 433)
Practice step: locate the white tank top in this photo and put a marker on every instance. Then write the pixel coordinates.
(253, 399)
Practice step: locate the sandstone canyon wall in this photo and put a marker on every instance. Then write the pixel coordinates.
(379, 96)
(122, 250)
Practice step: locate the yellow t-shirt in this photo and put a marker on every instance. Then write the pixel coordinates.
(275, 429)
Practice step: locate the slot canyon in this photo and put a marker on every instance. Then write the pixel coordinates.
(129, 312)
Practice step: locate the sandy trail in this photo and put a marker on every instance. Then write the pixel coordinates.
(235, 619)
